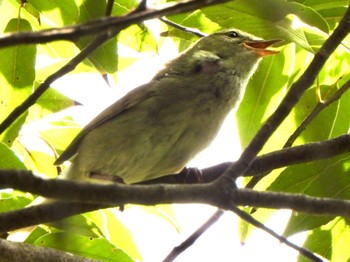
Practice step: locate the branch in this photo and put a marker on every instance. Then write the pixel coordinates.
(317, 110)
(54, 34)
(248, 218)
(102, 25)
(267, 162)
(14, 251)
(225, 196)
(194, 236)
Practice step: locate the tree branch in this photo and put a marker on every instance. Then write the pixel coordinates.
(194, 236)
(225, 196)
(102, 25)
(14, 251)
(273, 160)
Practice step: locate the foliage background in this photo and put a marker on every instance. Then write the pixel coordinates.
(303, 25)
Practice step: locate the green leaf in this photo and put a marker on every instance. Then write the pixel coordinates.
(78, 224)
(61, 51)
(196, 20)
(332, 11)
(17, 74)
(38, 232)
(108, 222)
(122, 7)
(11, 202)
(263, 94)
(326, 178)
(299, 222)
(105, 58)
(330, 241)
(320, 242)
(8, 11)
(60, 133)
(95, 248)
(60, 13)
(9, 159)
(255, 17)
(139, 38)
(41, 162)
(50, 102)
(333, 119)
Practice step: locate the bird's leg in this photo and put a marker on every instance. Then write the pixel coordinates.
(104, 177)
(192, 175)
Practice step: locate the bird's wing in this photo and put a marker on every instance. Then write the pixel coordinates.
(130, 100)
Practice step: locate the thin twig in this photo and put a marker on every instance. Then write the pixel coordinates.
(194, 236)
(315, 112)
(248, 218)
(109, 7)
(192, 31)
(70, 66)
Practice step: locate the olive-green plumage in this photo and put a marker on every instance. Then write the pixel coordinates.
(158, 127)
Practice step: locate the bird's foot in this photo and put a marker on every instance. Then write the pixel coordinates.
(192, 175)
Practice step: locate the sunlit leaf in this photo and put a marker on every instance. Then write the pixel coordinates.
(264, 92)
(9, 160)
(115, 231)
(329, 240)
(95, 248)
(50, 102)
(256, 17)
(17, 74)
(105, 58)
(60, 134)
(326, 178)
(63, 12)
(11, 202)
(78, 224)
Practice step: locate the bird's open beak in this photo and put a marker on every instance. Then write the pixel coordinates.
(259, 46)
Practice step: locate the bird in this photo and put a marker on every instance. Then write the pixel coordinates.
(158, 127)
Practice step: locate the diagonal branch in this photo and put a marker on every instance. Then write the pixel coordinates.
(70, 66)
(290, 100)
(248, 218)
(316, 111)
(314, 152)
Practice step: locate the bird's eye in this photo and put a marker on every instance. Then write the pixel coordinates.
(232, 34)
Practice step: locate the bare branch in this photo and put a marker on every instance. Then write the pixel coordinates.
(248, 218)
(225, 196)
(194, 236)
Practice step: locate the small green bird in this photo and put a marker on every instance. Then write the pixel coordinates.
(157, 128)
